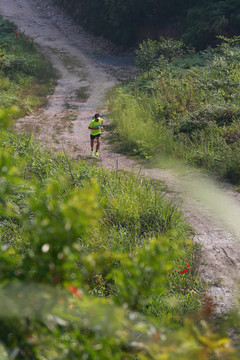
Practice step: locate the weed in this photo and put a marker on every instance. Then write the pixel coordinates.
(71, 63)
(82, 93)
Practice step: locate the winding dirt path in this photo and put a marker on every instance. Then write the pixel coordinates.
(213, 209)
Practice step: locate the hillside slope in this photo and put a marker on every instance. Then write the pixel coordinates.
(129, 22)
(80, 91)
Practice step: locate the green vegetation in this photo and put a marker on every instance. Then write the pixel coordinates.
(88, 260)
(111, 234)
(183, 104)
(129, 22)
(25, 77)
(83, 93)
(114, 242)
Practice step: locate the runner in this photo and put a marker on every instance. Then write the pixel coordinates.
(96, 128)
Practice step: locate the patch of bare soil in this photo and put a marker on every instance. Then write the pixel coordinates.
(80, 93)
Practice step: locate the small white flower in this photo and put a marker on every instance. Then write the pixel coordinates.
(45, 248)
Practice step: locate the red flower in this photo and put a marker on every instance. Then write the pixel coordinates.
(75, 291)
(185, 270)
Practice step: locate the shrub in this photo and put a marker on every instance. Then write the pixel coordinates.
(152, 53)
(189, 106)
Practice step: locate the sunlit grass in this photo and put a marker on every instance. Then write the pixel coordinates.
(26, 78)
(185, 109)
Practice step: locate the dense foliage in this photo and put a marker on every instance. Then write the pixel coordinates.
(128, 22)
(187, 104)
(70, 226)
(87, 263)
(110, 239)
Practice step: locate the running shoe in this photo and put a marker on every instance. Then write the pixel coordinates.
(92, 153)
(96, 153)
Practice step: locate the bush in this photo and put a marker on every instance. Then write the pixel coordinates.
(57, 237)
(127, 23)
(152, 53)
(188, 108)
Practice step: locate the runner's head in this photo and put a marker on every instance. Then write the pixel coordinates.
(97, 117)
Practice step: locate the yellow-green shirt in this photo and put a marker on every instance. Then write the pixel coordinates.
(97, 125)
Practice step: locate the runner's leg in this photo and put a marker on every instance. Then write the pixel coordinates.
(92, 143)
(98, 143)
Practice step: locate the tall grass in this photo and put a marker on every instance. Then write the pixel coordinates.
(187, 107)
(84, 251)
(132, 209)
(139, 131)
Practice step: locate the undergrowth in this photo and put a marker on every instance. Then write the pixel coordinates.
(183, 104)
(88, 262)
(25, 76)
(124, 212)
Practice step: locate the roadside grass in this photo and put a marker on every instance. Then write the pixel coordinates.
(66, 226)
(185, 107)
(133, 211)
(129, 239)
(25, 76)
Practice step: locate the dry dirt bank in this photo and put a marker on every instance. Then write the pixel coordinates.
(79, 93)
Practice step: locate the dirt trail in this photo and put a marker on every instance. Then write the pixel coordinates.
(80, 92)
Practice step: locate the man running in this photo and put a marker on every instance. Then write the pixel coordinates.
(96, 128)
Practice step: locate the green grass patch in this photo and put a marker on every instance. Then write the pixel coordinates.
(71, 62)
(73, 65)
(82, 93)
(26, 78)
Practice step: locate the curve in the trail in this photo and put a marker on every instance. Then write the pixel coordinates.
(82, 84)
(86, 73)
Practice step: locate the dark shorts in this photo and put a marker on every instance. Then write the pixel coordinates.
(92, 137)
